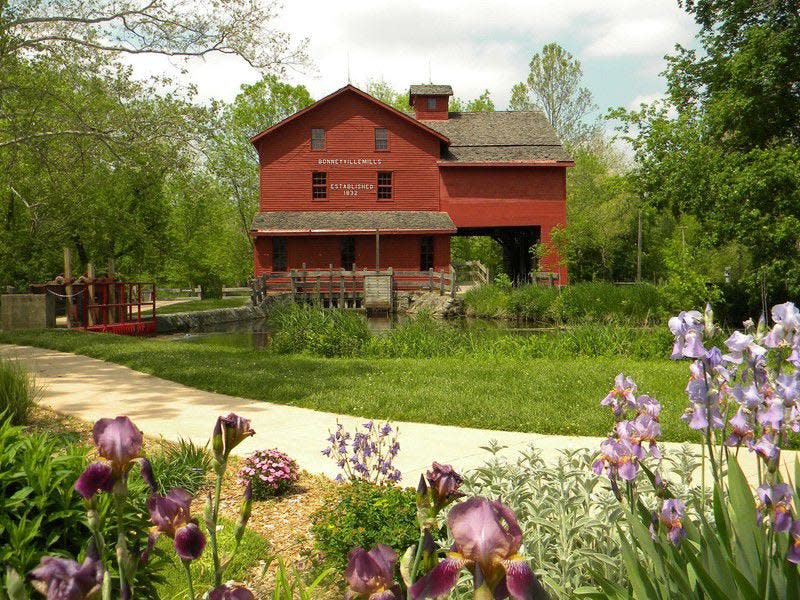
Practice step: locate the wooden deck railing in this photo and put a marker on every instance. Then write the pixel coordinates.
(345, 289)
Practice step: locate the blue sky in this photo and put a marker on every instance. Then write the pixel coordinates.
(469, 44)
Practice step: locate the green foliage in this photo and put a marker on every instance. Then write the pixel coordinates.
(210, 287)
(18, 392)
(383, 91)
(290, 585)
(39, 513)
(725, 556)
(180, 464)
(481, 248)
(565, 513)
(596, 302)
(252, 549)
(362, 515)
(304, 328)
(482, 103)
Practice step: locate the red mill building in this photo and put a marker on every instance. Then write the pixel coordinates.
(351, 181)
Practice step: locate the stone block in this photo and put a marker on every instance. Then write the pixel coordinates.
(27, 311)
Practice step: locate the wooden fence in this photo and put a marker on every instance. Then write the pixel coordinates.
(345, 289)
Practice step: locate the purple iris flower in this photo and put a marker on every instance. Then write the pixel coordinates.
(687, 328)
(648, 406)
(370, 575)
(738, 344)
(748, 396)
(119, 441)
(64, 579)
(228, 433)
(772, 417)
(673, 511)
(786, 317)
(700, 416)
(170, 515)
(618, 457)
(226, 592)
(96, 477)
(444, 483)
(775, 500)
(767, 450)
(741, 430)
(646, 430)
(788, 388)
(793, 555)
(486, 540)
(621, 396)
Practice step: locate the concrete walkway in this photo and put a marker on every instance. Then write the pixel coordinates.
(91, 389)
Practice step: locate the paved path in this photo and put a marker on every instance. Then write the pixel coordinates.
(91, 389)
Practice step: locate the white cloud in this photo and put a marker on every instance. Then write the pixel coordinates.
(645, 99)
(470, 44)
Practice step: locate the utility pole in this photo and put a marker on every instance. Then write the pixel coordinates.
(639, 250)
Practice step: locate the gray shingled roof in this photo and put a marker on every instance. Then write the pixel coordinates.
(503, 136)
(430, 89)
(351, 220)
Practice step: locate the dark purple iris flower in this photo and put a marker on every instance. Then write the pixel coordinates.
(119, 441)
(64, 579)
(226, 592)
(673, 511)
(96, 477)
(775, 500)
(370, 575)
(794, 544)
(229, 432)
(444, 483)
(487, 539)
(170, 515)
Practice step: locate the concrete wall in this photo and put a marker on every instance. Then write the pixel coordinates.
(27, 311)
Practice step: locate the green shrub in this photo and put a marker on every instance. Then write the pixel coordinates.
(534, 303)
(211, 287)
(18, 391)
(420, 337)
(362, 515)
(310, 329)
(182, 464)
(488, 301)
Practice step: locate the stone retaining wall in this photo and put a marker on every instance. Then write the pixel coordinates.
(189, 321)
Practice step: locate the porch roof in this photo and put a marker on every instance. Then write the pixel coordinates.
(319, 222)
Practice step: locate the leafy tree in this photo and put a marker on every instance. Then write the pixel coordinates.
(482, 103)
(383, 91)
(554, 87)
(232, 158)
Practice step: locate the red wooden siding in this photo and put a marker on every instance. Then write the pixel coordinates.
(421, 111)
(287, 160)
(400, 252)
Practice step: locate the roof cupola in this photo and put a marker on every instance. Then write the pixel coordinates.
(430, 101)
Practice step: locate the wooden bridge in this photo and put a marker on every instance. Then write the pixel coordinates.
(357, 289)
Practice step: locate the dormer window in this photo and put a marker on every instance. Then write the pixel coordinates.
(317, 138)
(431, 103)
(381, 139)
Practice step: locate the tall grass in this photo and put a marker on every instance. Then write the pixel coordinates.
(599, 302)
(18, 392)
(304, 328)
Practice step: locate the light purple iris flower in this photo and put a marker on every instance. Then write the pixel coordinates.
(230, 592)
(687, 328)
(786, 317)
(738, 344)
(700, 416)
(618, 458)
(648, 406)
(742, 431)
(787, 386)
(370, 575)
(767, 450)
(64, 579)
(647, 430)
(170, 515)
(793, 555)
(748, 396)
(119, 441)
(673, 511)
(622, 395)
(775, 500)
(771, 418)
(486, 540)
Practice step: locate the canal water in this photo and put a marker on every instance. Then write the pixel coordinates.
(256, 334)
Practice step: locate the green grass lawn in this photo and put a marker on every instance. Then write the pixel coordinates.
(537, 395)
(196, 305)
